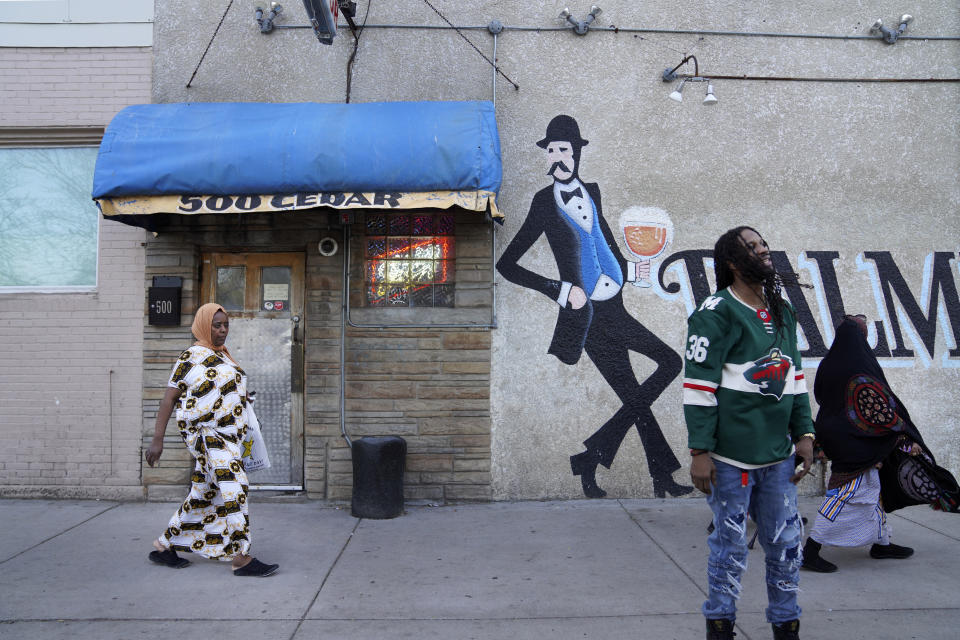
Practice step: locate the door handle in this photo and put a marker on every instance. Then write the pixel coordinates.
(296, 358)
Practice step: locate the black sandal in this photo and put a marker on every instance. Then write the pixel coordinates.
(168, 558)
(256, 569)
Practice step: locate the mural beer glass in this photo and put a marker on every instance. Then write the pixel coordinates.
(647, 232)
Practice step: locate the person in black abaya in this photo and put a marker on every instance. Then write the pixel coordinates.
(880, 462)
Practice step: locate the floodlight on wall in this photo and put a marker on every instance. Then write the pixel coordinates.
(710, 99)
(669, 75)
(676, 95)
(672, 75)
(266, 24)
(890, 35)
(580, 27)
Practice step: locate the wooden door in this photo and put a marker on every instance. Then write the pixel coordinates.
(263, 294)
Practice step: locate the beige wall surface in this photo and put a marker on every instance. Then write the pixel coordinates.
(71, 363)
(864, 171)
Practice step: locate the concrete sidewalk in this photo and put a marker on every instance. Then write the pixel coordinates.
(605, 569)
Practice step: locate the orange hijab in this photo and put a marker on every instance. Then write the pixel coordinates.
(203, 327)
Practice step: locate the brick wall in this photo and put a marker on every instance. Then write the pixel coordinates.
(430, 387)
(70, 363)
(70, 381)
(53, 86)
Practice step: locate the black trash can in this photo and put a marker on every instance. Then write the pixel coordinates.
(378, 465)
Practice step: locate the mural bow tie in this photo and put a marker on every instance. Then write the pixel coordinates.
(567, 195)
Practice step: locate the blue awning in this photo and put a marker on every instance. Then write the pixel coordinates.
(195, 158)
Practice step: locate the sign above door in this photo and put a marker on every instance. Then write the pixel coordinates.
(220, 158)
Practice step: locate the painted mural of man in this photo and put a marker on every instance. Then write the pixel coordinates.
(591, 316)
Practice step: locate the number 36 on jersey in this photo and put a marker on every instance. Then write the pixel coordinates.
(697, 348)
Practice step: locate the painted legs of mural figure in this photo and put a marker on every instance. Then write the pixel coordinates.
(613, 334)
(603, 445)
(585, 465)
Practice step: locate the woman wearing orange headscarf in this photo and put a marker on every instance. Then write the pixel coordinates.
(208, 389)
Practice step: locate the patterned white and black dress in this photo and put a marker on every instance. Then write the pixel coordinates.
(212, 418)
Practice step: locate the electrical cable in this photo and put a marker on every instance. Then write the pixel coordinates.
(356, 45)
(746, 34)
(635, 31)
(215, 32)
(615, 29)
(482, 54)
(710, 76)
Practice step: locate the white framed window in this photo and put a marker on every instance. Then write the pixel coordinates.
(49, 226)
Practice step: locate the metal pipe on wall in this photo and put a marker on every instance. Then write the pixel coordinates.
(694, 32)
(494, 71)
(344, 297)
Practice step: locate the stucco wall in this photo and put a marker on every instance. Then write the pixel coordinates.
(850, 168)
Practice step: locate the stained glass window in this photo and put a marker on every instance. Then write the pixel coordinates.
(409, 260)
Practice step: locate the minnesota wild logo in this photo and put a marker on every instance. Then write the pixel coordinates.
(769, 373)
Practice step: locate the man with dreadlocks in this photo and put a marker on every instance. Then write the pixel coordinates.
(747, 412)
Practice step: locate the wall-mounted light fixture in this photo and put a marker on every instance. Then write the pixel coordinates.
(890, 35)
(669, 75)
(322, 14)
(676, 95)
(580, 27)
(710, 99)
(266, 24)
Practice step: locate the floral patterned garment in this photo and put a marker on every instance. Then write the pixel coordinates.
(212, 417)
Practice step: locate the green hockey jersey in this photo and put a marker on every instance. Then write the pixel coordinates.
(744, 395)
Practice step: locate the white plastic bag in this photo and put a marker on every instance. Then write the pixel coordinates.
(254, 448)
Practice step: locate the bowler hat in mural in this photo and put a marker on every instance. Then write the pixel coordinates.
(562, 127)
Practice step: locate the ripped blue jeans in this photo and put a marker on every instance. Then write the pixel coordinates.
(771, 500)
